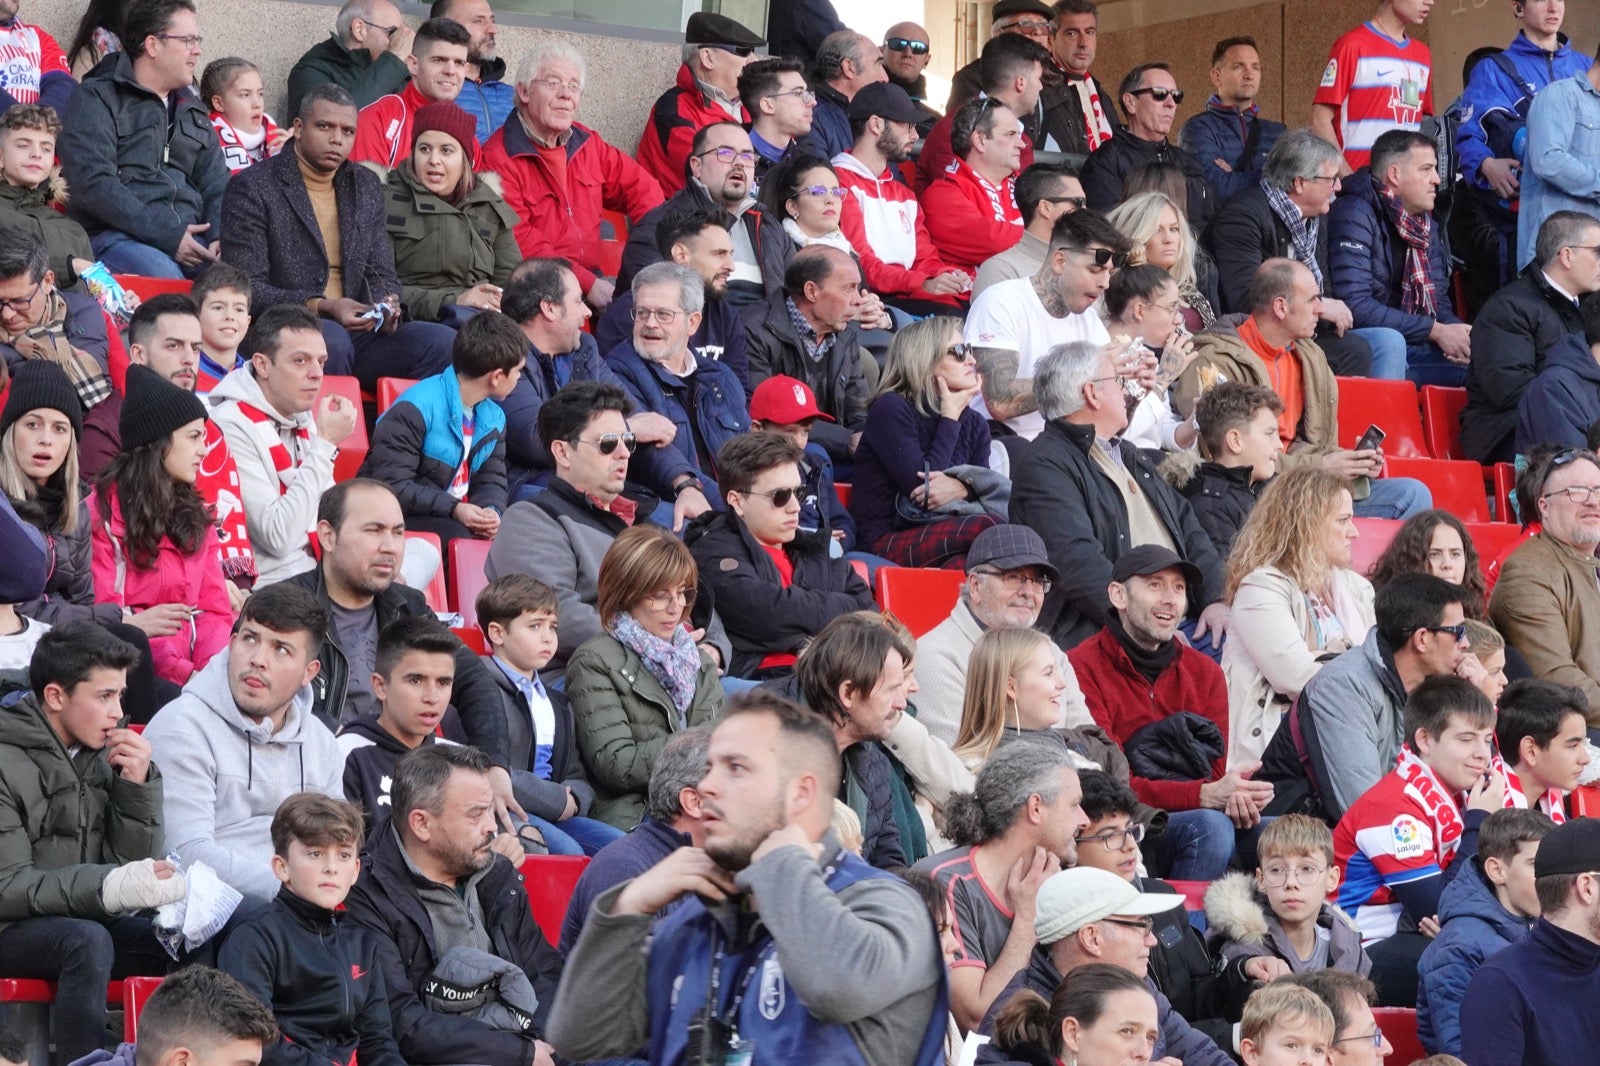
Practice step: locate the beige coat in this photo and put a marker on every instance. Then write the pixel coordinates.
(1547, 603)
(1273, 648)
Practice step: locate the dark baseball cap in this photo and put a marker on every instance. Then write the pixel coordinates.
(886, 100)
(709, 27)
(1570, 848)
(1010, 547)
(1149, 559)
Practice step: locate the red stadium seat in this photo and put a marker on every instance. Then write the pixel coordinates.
(353, 452)
(1193, 893)
(467, 560)
(842, 490)
(617, 223)
(1491, 539)
(1399, 1025)
(920, 598)
(1376, 533)
(472, 637)
(136, 993)
(118, 993)
(1457, 485)
(1441, 420)
(611, 258)
(437, 593)
(1584, 802)
(550, 880)
(144, 287)
(1504, 477)
(1390, 405)
(389, 390)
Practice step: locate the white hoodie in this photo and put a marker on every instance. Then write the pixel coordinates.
(226, 775)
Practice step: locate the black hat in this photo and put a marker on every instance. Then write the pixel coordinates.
(709, 27)
(154, 408)
(1007, 8)
(1570, 848)
(1010, 547)
(40, 383)
(1149, 559)
(885, 100)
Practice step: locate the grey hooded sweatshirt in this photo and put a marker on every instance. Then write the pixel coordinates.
(226, 775)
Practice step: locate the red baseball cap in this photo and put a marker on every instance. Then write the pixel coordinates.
(784, 401)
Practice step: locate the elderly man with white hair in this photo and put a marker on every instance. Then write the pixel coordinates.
(559, 175)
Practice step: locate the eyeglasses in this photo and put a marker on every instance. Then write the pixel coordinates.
(1585, 248)
(1116, 839)
(191, 42)
(1014, 580)
(1144, 925)
(1333, 180)
(1028, 28)
(1118, 378)
(21, 306)
(740, 50)
(806, 95)
(903, 44)
(388, 31)
(1579, 494)
(960, 352)
(819, 191)
(661, 599)
(1078, 202)
(1459, 630)
(1375, 1038)
(780, 497)
(607, 443)
(663, 315)
(555, 85)
(1102, 256)
(1159, 93)
(728, 155)
(1278, 876)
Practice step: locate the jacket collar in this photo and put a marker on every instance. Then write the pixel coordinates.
(491, 70)
(1567, 951)
(310, 915)
(1238, 476)
(519, 144)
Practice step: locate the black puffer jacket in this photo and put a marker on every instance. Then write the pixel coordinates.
(774, 347)
(298, 954)
(1222, 497)
(69, 590)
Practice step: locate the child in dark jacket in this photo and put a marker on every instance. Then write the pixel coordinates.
(518, 616)
(442, 447)
(787, 405)
(319, 974)
(1239, 431)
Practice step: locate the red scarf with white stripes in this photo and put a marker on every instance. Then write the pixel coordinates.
(218, 485)
(1552, 802)
(1424, 786)
(269, 435)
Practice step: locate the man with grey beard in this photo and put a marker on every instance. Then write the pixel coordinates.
(1547, 601)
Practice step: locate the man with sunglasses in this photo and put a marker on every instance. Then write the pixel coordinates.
(716, 50)
(906, 54)
(1547, 601)
(780, 104)
(1045, 192)
(1150, 98)
(365, 56)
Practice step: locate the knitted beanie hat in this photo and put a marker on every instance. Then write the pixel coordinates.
(446, 117)
(153, 408)
(40, 383)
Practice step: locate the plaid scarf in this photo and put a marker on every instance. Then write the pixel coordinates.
(1302, 230)
(1417, 295)
(48, 340)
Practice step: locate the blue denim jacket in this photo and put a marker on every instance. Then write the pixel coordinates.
(1562, 170)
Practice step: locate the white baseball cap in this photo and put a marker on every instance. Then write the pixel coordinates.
(1073, 898)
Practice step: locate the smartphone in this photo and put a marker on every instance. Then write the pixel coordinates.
(1370, 439)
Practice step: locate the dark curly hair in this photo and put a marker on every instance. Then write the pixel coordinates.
(154, 506)
(1408, 554)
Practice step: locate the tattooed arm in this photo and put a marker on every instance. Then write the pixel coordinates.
(1006, 395)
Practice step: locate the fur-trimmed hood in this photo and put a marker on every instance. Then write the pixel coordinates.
(1240, 924)
(1180, 468)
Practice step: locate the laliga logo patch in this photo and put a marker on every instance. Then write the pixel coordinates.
(1407, 833)
(773, 995)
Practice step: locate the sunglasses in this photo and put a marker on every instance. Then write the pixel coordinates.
(780, 497)
(1159, 94)
(961, 351)
(902, 44)
(1102, 256)
(836, 191)
(1458, 631)
(607, 443)
(740, 50)
(1078, 202)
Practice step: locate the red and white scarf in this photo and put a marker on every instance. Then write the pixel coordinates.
(1443, 809)
(1096, 127)
(1553, 802)
(240, 150)
(269, 437)
(218, 484)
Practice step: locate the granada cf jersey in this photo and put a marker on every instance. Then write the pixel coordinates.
(1377, 84)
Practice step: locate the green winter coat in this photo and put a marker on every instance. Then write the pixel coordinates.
(624, 717)
(65, 822)
(442, 250)
(36, 211)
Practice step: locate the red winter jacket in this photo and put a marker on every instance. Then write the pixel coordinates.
(1123, 702)
(559, 205)
(888, 230)
(966, 222)
(937, 155)
(383, 128)
(678, 114)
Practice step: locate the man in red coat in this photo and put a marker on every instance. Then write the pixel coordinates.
(972, 209)
(559, 175)
(1136, 673)
(715, 51)
(438, 65)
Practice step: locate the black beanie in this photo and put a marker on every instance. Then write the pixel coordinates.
(40, 383)
(154, 408)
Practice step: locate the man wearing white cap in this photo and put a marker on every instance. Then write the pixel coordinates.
(1086, 915)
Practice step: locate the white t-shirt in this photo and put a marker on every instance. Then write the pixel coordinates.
(16, 649)
(1009, 315)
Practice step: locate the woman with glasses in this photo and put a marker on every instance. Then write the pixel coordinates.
(452, 233)
(775, 587)
(804, 191)
(643, 677)
(1161, 237)
(1143, 303)
(1296, 602)
(923, 487)
(1100, 1015)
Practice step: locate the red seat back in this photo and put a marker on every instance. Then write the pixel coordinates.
(1505, 483)
(353, 451)
(472, 637)
(1390, 405)
(1457, 486)
(842, 490)
(1491, 539)
(136, 992)
(1376, 533)
(1441, 420)
(1584, 802)
(467, 579)
(145, 288)
(920, 598)
(389, 390)
(1399, 1025)
(550, 880)
(437, 594)
(1193, 893)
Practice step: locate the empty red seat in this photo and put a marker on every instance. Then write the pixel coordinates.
(550, 880)
(353, 450)
(1391, 406)
(920, 598)
(1399, 1025)
(1441, 420)
(389, 390)
(437, 593)
(1457, 485)
(1376, 534)
(467, 579)
(1491, 539)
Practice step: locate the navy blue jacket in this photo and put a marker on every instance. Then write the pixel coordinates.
(527, 459)
(830, 122)
(1473, 926)
(1493, 96)
(708, 408)
(621, 860)
(719, 338)
(1533, 1003)
(1563, 401)
(1367, 261)
(1220, 132)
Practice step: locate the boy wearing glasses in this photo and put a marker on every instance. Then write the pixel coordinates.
(1409, 835)
(1283, 912)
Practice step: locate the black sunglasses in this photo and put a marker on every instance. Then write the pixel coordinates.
(740, 50)
(1102, 256)
(1078, 202)
(902, 44)
(1159, 93)
(780, 497)
(1459, 630)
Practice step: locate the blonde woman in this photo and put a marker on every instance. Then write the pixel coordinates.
(1296, 602)
(1014, 685)
(1161, 237)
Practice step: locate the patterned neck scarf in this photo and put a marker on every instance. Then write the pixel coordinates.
(48, 340)
(1550, 803)
(675, 663)
(1302, 230)
(1417, 295)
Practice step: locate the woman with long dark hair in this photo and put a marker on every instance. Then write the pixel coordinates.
(99, 34)
(1436, 542)
(155, 538)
